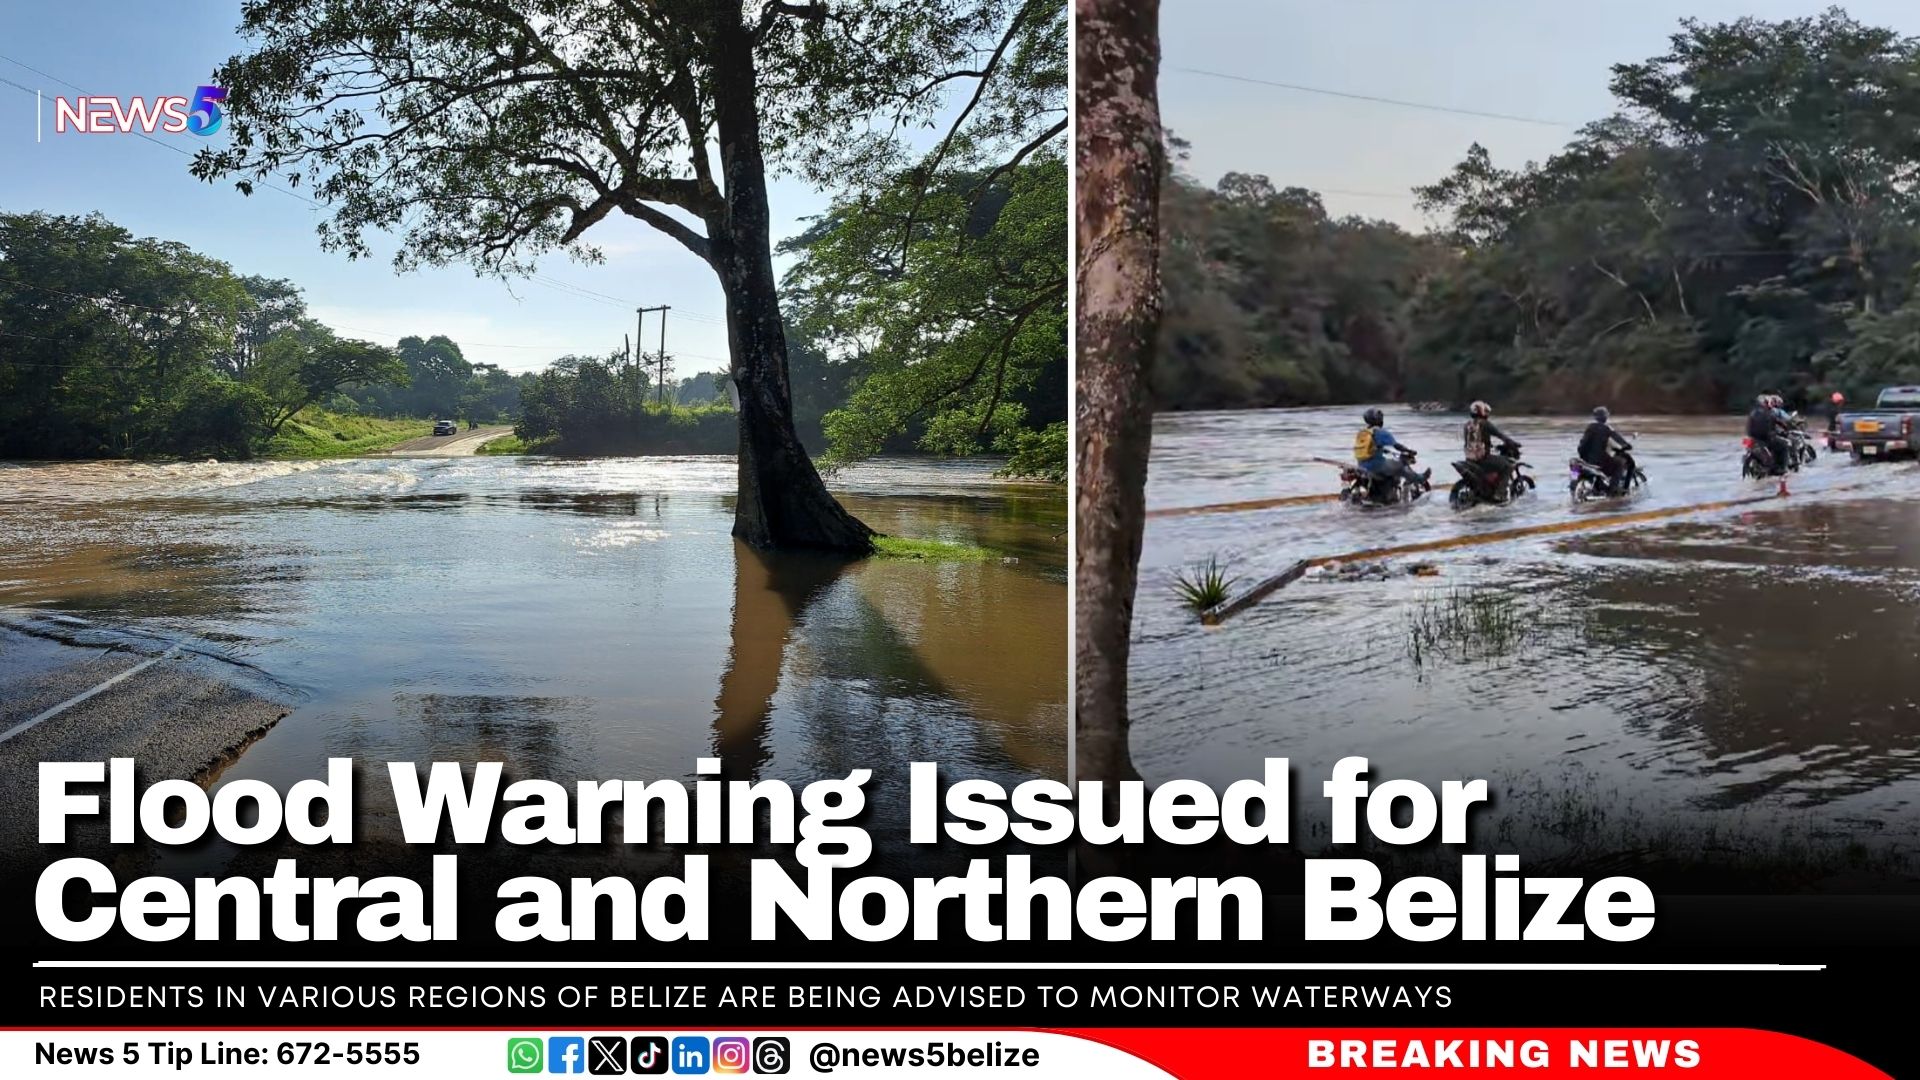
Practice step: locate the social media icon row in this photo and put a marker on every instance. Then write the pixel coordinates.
(685, 1055)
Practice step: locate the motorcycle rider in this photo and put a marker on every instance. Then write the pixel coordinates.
(1480, 435)
(1764, 426)
(1373, 450)
(1596, 448)
(1788, 425)
(1836, 405)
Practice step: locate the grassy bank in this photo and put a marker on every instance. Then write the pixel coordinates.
(513, 444)
(317, 433)
(906, 547)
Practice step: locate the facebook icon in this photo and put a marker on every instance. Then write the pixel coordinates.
(690, 1055)
(566, 1054)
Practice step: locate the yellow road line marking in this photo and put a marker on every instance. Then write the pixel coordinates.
(1233, 606)
(1575, 525)
(1237, 507)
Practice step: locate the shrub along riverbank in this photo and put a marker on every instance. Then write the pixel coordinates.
(585, 409)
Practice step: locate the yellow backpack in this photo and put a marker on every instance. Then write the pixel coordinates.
(1363, 445)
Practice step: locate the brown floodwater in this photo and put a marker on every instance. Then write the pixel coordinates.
(1730, 677)
(575, 619)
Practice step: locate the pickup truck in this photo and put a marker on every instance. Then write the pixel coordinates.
(1887, 431)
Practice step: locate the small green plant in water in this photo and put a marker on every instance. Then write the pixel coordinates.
(1467, 624)
(1203, 585)
(906, 547)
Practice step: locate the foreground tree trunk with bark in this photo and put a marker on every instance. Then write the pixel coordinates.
(782, 500)
(1121, 158)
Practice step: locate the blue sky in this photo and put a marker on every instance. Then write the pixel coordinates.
(152, 49)
(1547, 60)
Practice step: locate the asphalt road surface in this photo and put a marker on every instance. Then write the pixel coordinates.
(466, 442)
(179, 712)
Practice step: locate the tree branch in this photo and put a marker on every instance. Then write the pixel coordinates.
(771, 13)
(1622, 282)
(1014, 162)
(1001, 348)
(689, 239)
(932, 168)
(584, 219)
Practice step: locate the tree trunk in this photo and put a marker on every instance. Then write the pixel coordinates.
(783, 503)
(1121, 158)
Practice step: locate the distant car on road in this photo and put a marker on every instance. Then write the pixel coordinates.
(445, 427)
(1887, 431)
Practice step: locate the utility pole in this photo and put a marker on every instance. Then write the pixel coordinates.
(640, 349)
(632, 368)
(663, 352)
(661, 387)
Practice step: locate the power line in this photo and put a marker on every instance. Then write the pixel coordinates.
(582, 289)
(254, 307)
(1360, 194)
(1379, 100)
(42, 74)
(614, 301)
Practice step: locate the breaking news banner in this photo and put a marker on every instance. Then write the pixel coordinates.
(890, 537)
(1117, 1052)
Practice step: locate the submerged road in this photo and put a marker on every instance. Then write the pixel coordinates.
(71, 697)
(567, 617)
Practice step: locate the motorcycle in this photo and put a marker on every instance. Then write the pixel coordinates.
(1589, 481)
(1801, 443)
(1362, 488)
(1481, 483)
(1758, 464)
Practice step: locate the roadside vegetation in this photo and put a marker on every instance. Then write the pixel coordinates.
(113, 345)
(317, 433)
(506, 445)
(1744, 222)
(144, 348)
(591, 405)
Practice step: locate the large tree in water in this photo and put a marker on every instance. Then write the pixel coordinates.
(1122, 157)
(491, 131)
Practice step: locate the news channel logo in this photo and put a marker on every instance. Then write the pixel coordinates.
(102, 114)
(649, 1055)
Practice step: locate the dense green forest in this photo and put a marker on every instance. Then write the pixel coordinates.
(1748, 220)
(596, 405)
(935, 318)
(441, 382)
(112, 345)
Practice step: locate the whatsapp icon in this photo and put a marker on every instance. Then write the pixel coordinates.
(523, 1055)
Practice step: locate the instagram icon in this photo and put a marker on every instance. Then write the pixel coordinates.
(730, 1055)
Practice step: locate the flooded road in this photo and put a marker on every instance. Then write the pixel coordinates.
(1743, 678)
(575, 619)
